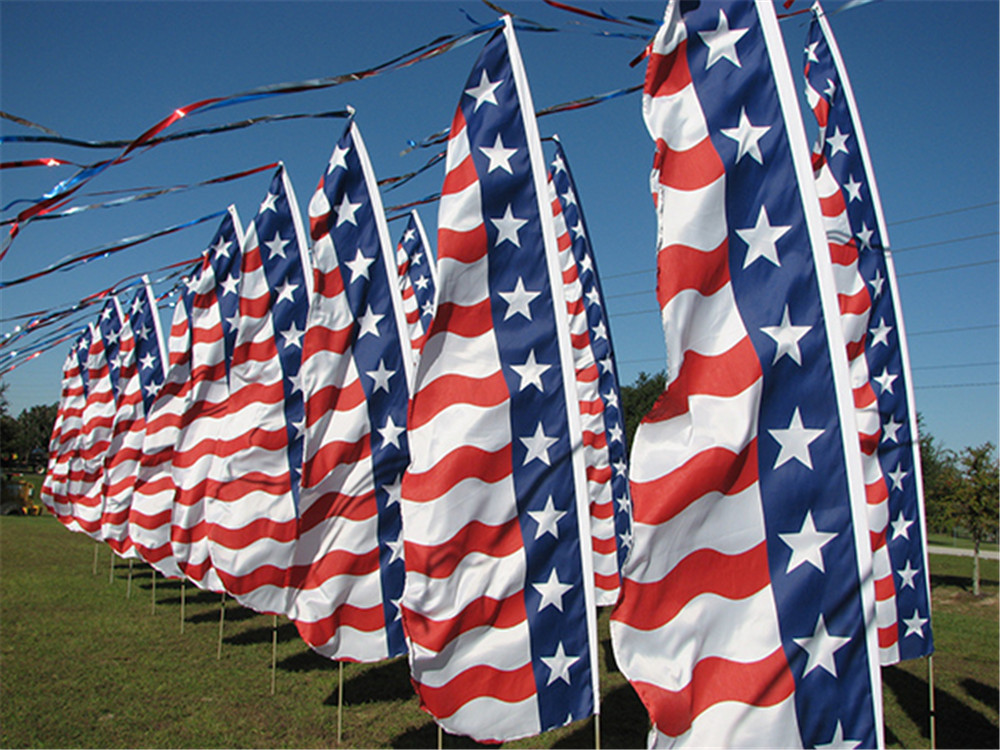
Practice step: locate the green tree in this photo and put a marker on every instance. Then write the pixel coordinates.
(638, 398)
(941, 480)
(977, 502)
(36, 425)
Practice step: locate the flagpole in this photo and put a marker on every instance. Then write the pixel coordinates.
(128, 588)
(932, 717)
(183, 600)
(111, 573)
(152, 607)
(222, 620)
(96, 548)
(340, 698)
(597, 732)
(274, 652)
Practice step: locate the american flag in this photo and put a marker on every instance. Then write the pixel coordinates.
(155, 488)
(417, 280)
(499, 600)
(356, 370)
(198, 470)
(251, 521)
(142, 357)
(877, 345)
(597, 382)
(747, 610)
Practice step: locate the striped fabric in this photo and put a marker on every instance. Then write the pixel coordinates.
(66, 432)
(499, 602)
(348, 575)
(877, 347)
(747, 611)
(417, 280)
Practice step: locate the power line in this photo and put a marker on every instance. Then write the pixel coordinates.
(961, 329)
(943, 213)
(954, 385)
(950, 367)
(945, 242)
(948, 268)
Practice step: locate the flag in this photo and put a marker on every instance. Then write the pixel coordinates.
(597, 384)
(747, 609)
(877, 347)
(499, 599)
(356, 371)
(141, 371)
(417, 280)
(65, 433)
(195, 464)
(154, 491)
(251, 521)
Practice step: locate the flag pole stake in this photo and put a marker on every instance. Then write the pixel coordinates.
(128, 588)
(96, 548)
(340, 699)
(597, 732)
(274, 652)
(111, 574)
(183, 601)
(440, 738)
(930, 682)
(152, 607)
(222, 620)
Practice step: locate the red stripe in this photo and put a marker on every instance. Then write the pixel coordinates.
(338, 505)
(468, 321)
(318, 338)
(330, 399)
(321, 632)
(509, 687)
(697, 167)
(440, 560)
(434, 635)
(449, 390)
(466, 462)
(680, 267)
(607, 582)
(334, 563)
(667, 74)
(466, 247)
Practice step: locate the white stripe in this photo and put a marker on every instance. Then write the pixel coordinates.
(738, 725)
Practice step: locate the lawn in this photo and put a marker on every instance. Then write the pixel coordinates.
(85, 665)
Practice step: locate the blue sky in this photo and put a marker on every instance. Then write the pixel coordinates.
(925, 75)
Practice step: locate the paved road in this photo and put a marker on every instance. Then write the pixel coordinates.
(935, 549)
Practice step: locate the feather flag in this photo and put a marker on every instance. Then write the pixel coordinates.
(747, 610)
(597, 383)
(195, 466)
(879, 356)
(417, 280)
(141, 374)
(251, 521)
(348, 575)
(499, 600)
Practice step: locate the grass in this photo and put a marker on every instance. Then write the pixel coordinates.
(85, 666)
(948, 540)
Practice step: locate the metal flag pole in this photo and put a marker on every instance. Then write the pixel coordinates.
(930, 682)
(152, 607)
(97, 546)
(183, 600)
(340, 699)
(440, 737)
(597, 732)
(274, 652)
(222, 621)
(111, 574)
(128, 587)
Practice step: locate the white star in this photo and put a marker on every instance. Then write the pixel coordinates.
(558, 165)
(552, 591)
(396, 547)
(897, 476)
(408, 235)
(296, 382)
(293, 336)
(277, 246)
(821, 646)
(153, 388)
(221, 248)
(299, 426)
(885, 380)
(136, 305)
(620, 467)
(615, 433)
(830, 90)
(747, 136)
(907, 575)
(499, 156)
(569, 197)
(398, 604)
(421, 282)
(142, 332)
(624, 504)
(381, 376)
(594, 296)
(607, 364)
(416, 259)
(586, 265)
(559, 665)
(287, 291)
(537, 446)
(901, 527)
(880, 334)
(577, 230)
(794, 441)
(853, 189)
(147, 362)
(394, 491)
(722, 42)
(761, 239)
(269, 203)
(338, 158)
(600, 331)
(484, 92)
(390, 433)
(626, 536)
(359, 266)
(838, 141)
(428, 308)
(807, 545)
(547, 519)
(368, 323)
(230, 285)
(811, 52)
(915, 624)
(889, 430)
(787, 337)
(346, 210)
(876, 284)
(518, 300)
(507, 226)
(531, 372)
(838, 742)
(865, 235)
(611, 398)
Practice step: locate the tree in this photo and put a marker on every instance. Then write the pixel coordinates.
(638, 398)
(977, 503)
(941, 479)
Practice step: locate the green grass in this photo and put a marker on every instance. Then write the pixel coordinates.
(82, 665)
(948, 540)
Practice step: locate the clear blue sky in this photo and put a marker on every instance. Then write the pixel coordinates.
(925, 75)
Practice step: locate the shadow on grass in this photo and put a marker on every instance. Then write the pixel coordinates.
(234, 613)
(192, 596)
(960, 582)
(389, 681)
(624, 723)
(958, 725)
(426, 735)
(286, 631)
(985, 694)
(609, 656)
(307, 661)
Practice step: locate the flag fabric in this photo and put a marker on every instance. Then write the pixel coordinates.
(499, 602)
(877, 348)
(417, 280)
(140, 363)
(356, 370)
(251, 521)
(747, 611)
(597, 382)
(196, 466)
